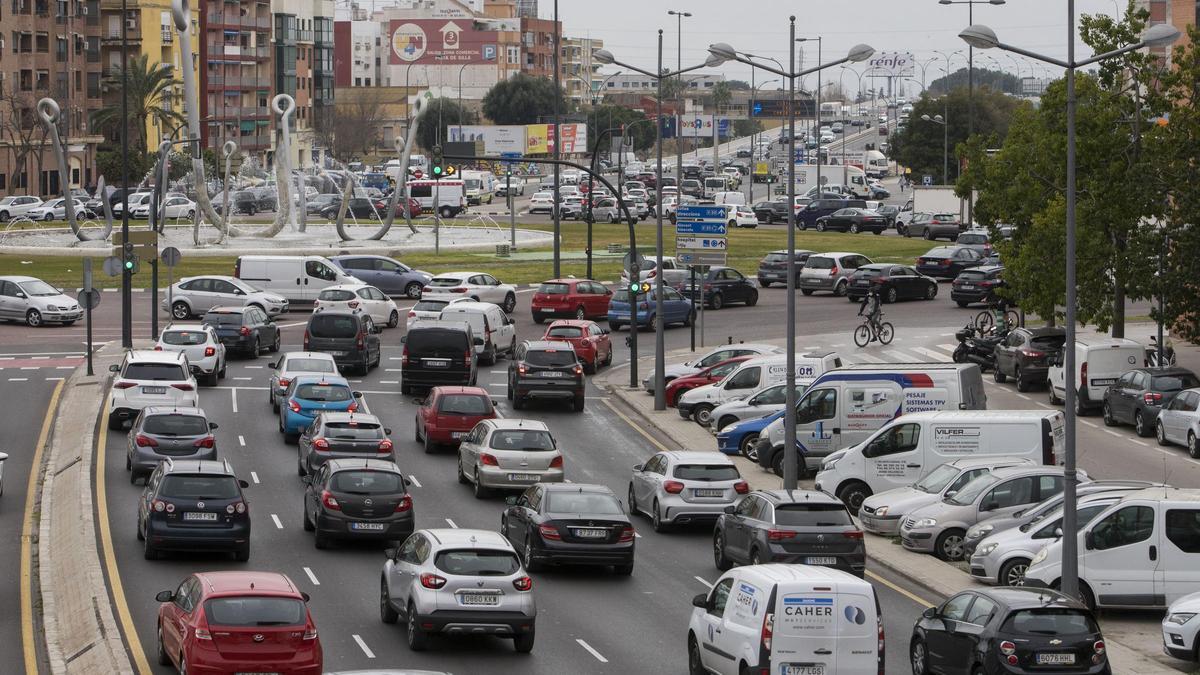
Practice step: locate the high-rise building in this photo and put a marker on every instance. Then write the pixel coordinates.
(236, 79)
(579, 71)
(1178, 13)
(537, 46)
(303, 40)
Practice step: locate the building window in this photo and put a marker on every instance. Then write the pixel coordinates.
(93, 85)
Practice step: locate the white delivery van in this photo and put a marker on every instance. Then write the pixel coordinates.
(299, 278)
(845, 406)
(752, 376)
(1141, 552)
(1099, 362)
(494, 332)
(479, 187)
(736, 198)
(448, 193)
(906, 448)
(715, 184)
(787, 619)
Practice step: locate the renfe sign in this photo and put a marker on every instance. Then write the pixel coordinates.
(891, 64)
(440, 41)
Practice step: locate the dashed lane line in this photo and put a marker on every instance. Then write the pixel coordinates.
(275, 519)
(363, 646)
(254, 477)
(233, 397)
(311, 577)
(591, 650)
(703, 581)
(414, 481)
(242, 441)
(451, 523)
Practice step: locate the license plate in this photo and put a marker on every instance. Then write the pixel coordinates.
(368, 527)
(457, 434)
(523, 477)
(708, 493)
(1104, 382)
(154, 390)
(803, 669)
(337, 353)
(1060, 659)
(479, 599)
(442, 363)
(198, 515)
(820, 560)
(551, 373)
(968, 287)
(590, 533)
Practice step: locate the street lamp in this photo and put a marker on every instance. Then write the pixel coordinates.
(679, 17)
(945, 122)
(460, 107)
(985, 38)
(754, 136)
(723, 52)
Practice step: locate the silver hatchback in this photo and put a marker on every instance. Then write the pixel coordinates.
(830, 272)
(678, 487)
(458, 582)
(507, 454)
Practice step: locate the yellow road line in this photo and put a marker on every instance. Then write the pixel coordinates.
(27, 641)
(636, 427)
(915, 598)
(110, 559)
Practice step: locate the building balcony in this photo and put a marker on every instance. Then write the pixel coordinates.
(231, 21)
(113, 35)
(238, 112)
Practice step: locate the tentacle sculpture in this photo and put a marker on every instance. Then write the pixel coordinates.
(48, 111)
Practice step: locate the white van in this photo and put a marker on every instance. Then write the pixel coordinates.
(494, 332)
(905, 449)
(750, 377)
(715, 184)
(1141, 552)
(736, 198)
(787, 619)
(479, 187)
(1099, 362)
(845, 406)
(449, 193)
(299, 278)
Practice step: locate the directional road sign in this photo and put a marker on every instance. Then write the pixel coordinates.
(715, 258)
(702, 243)
(700, 234)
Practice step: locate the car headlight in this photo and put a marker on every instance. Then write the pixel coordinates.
(923, 523)
(986, 549)
(1041, 555)
(881, 511)
(1179, 618)
(829, 463)
(978, 532)
(53, 308)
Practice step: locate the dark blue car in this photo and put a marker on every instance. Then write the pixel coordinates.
(676, 308)
(740, 438)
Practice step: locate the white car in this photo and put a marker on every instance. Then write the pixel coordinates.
(56, 209)
(740, 216)
(204, 350)
(515, 187)
(174, 207)
(766, 402)
(193, 296)
(647, 269)
(371, 300)
(541, 202)
(134, 200)
(427, 309)
(17, 206)
(36, 302)
(145, 378)
(1179, 422)
(713, 357)
(478, 286)
(1179, 627)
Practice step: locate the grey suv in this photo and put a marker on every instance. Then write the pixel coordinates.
(683, 487)
(160, 432)
(830, 272)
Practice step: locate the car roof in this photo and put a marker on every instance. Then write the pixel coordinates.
(324, 378)
(152, 356)
(1168, 370)
(446, 390)
(994, 460)
(797, 496)
(354, 463)
(547, 345)
(507, 423)
(226, 309)
(186, 326)
(172, 410)
(325, 311)
(568, 280)
(222, 277)
(698, 457)
(445, 537)
(324, 356)
(201, 466)
(468, 273)
(986, 269)
(780, 572)
(1165, 494)
(19, 279)
(831, 254)
(1027, 597)
(353, 286)
(472, 305)
(248, 583)
(578, 323)
(577, 487)
(1027, 470)
(344, 416)
(1042, 331)
(441, 323)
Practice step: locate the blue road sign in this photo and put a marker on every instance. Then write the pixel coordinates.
(691, 228)
(698, 212)
(709, 221)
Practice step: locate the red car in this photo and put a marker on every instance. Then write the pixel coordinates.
(592, 346)
(414, 206)
(713, 373)
(577, 298)
(449, 413)
(218, 623)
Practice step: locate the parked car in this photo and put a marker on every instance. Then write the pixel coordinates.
(247, 330)
(36, 302)
(830, 272)
(979, 240)
(765, 402)
(771, 211)
(721, 286)
(947, 262)
(319, 204)
(15, 206)
(894, 282)
(541, 202)
(741, 216)
(1139, 394)
(937, 226)
(853, 220)
(711, 358)
(1179, 422)
(56, 209)
(447, 414)
(387, 274)
(426, 310)
(773, 267)
(205, 351)
(677, 309)
(242, 201)
(714, 373)
(591, 343)
(680, 487)
(349, 335)
(359, 296)
(577, 298)
(173, 208)
(357, 499)
(159, 433)
(1179, 630)
(358, 208)
(1024, 355)
(193, 505)
(411, 209)
(977, 285)
(545, 369)
(504, 454)
(570, 524)
(193, 296)
(293, 364)
(342, 435)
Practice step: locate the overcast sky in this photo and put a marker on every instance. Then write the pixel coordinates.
(629, 29)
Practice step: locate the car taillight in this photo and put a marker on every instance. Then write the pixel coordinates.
(1007, 648)
(880, 644)
(284, 382)
(833, 271)
(293, 406)
(521, 369)
(1098, 647)
(1083, 374)
(673, 487)
(945, 262)
(206, 442)
(556, 463)
(626, 535)
(183, 387)
(523, 584)
(488, 460)
(780, 535)
(361, 343)
(158, 348)
(411, 314)
(124, 385)
(353, 407)
(458, 290)
(549, 532)
(433, 581)
(145, 441)
(467, 358)
(385, 446)
(245, 330)
(768, 630)
(210, 351)
(202, 634)
(741, 487)
(330, 501)
(1151, 398)
(1032, 354)
(404, 505)
(652, 274)
(306, 338)
(320, 443)
(853, 534)
(353, 304)
(310, 633)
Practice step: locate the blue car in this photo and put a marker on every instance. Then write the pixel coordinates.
(307, 396)
(387, 274)
(740, 438)
(677, 309)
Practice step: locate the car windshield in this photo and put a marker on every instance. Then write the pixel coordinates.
(474, 562)
(1174, 382)
(333, 326)
(254, 611)
(565, 332)
(707, 472)
(184, 337)
(528, 440)
(362, 482)
(336, 295)
(353, 431)
(38, 288)
(303, 365)
(158, 372)
(973, 489)
(178, 486)
(464, 404)
(223, 318)
(550, 357)
(1050, 621)
(820, 263)
(175, 425)
(430, 306)
(598, 503)
(935, 480)
(445, 282)
(326, 393)
(812, 515)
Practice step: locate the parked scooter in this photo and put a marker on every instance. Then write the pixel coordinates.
(977, 346)
(1168, 353)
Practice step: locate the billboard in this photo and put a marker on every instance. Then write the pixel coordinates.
(891, 64)
(440, 42)
(539, 139)
(497, 140)
(696, 126)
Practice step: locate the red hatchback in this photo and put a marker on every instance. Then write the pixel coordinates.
(592, 345)
(714, 373)
(218, 623)
(449, 413)
(577, 298)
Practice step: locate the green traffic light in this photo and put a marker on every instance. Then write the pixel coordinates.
(437, 170)
(635, 287)
(128, 264)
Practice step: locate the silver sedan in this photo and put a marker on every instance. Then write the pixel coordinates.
(292, 364)
(1179, 422)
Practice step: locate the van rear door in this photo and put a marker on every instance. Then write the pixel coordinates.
(858, 631)
(1106, 364)
(808, 619)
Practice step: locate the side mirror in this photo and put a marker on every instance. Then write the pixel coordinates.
(164, 596)
(403, 339)
(20, 294)
(387, 431)
(306, 479)
(951, 493)
(1089, 541)
(930, 613)
(1058, 533)
(243, 483)
(389, 553)
(637, 467)
(495, 402)
(358, 394)
(3, 456)
(478, 342)
(114, 368)
(606, 331)
(304, 595)
(511, 500)
(730, 509)
(212, 426)
(701, 601)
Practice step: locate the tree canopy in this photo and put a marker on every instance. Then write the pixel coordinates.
(522, 99)
(440, 114)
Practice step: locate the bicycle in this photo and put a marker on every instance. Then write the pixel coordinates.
(871, 330)
(993, 317)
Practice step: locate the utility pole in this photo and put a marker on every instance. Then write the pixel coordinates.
(557, 148)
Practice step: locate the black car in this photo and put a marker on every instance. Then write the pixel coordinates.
(1025, 353)
(721, 286)
(894, 282)
(1138, 396)
(692, 188)
(357, 207)
(773, 267)
(438, 353)
(317, 205)
(947, 262)
(853, 220)
(1004, 630)
(242, 201)
(569, 524)
(807, 216)
(977, 285)
(743, 153)
(802, 527)
(341, 435)
(356, 499)
(769, 212)
(545, 369)
(194, 505)
(348, 335)
(244, 329)
(161, 432)
(889, 211)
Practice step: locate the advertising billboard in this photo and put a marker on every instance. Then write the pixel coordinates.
(440, 42)
(539, 139)
(891, 64)
(497, 140)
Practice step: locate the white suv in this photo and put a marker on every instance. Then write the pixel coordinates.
(204, 350)
(145, 378)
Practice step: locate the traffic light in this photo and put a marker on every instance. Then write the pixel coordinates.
(640, 287)
(129, 261)
(438, 167)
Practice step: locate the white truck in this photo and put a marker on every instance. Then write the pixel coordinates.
(856, 178)
(938, 199)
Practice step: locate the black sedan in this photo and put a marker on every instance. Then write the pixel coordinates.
(894, 282)
(977, 284)
(1024, 355)
(364, 499)
(853, 220)
(1141, 393)
(569, 524)
(721, 286)
(1008, 630)
(769, 212)
(359, 207)
(947, 262)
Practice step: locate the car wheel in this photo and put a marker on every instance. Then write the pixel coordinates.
(752, 300)
(656, 520)
(820, 226)
(538, 318)
(931, 293)
(892, 296)
(531, 565)
(580, 314)
(1159, 433)
(1012, 573)
(479, 490)
(445, 212)
(918, 657)
(417, 639)
(806, 291)
(764, 284)
(755, 557)
(274, 348)
(748, 447)
(998, 375)
(33, 318)
(1023, 383)
(579, 403)
(1054, 399)
(161, 653)
(256, 350)
(927, 235)
(387, 613)
(777, 464)
(510, 303)
(393, 319)
(1107, 416)
(702, 413)
(853, 228)
(962, 303)
(1193, 447)
(180, 310)
(413, 290)
(306, 520)
(840, 289)
(853, 495)
(523, 643)
(1139, 424)
(148, 550)
(719, 559)
(949, 545)
(633, 508)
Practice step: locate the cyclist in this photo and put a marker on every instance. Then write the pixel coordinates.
(875, 311)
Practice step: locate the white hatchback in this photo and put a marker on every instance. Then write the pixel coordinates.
(427, 309)
(145, 378)
(478, 286)
(205, 351)
(371, 300)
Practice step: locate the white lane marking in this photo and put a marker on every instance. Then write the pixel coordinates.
(498, 372)
(1091, 424)
(242, 440)
(30, 367)
(363, 646)
(53, 379)
(290, 325)
(395, 358)
(902, 356)
(1112, 433)
(311, 577)
(18, 379)
(451, 523)
(500, 385)
(703, 581)
(389, 382)
(593, 652)
(414, 481)
(1024, 397)
(275, 519)
(945, 334)
(244, 379)
(254, 477)
(1144, 444)
(392, 370)
(64, 367)
(233, 395)
(936, 356)
(254, 367)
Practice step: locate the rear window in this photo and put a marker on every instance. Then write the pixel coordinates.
(430, 306)
(707, 472)
(1174, 382)
(184, 337)
(445, 282)
(167, 372)
(367, 482)
(972, 239)
(775, 258)
(812, 515)
(596, 503)
(1052, 342)
(620, 295)
(353, 431)
(972, 275)
(323, 392)
(426, 339)
(1049, 621)
(198, 487)
(477, 563)
(529, 440)
(550, 357)
(311, 366)
(820, 263)
(464, 404)
(869, 272)
(565, 332)
(554, 289)
(175, 425)
(333, 326)
(939, 252)
(223, 318)
(336, 295)
(254, 611)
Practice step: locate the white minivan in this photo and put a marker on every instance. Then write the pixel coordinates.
(1099, 362)
(905, 449)
(299, 278)
(786, 619)
(494, 332)
(752, 376)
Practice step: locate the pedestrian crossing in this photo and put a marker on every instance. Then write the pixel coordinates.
(894, 353)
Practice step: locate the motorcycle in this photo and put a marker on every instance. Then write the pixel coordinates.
(976, 346)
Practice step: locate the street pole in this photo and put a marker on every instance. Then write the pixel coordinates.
(126, 273)
(1070, 546)
(971, 112)
(557, 150)
(512, 218)
(460, 106)
(790, 460)
(660, 395)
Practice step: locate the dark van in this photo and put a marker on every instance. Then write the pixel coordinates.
(807, 216)
(349, 336)
(438, 353)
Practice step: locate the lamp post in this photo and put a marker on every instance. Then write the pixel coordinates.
(460, 107)
(679, 16)
(945, 122)
(815, 130)
(858, 53)
(557, 147)
(985, 38)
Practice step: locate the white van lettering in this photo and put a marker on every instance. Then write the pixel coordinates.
(957, 440)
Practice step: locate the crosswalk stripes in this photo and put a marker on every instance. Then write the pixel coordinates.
(931, 354)
(935, 354)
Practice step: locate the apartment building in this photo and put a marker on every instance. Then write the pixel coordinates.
(237, 75)
(303, 53)
(1178, 13)
(579, 71)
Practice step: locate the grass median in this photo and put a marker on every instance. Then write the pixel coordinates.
(746, 248)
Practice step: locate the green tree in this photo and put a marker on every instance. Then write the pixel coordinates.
(440, 114)
(721, 94)
(637, 125)
(983, 77)
(919, 145)
(522, 99)
(149, 89)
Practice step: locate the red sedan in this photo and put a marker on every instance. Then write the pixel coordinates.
(449, 413)
(414, 206)
(592, 345)
(226, 622)
(577, 298)
(714, 373)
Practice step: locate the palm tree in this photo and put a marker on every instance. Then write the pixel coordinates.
(721, 95)
(149, 93)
